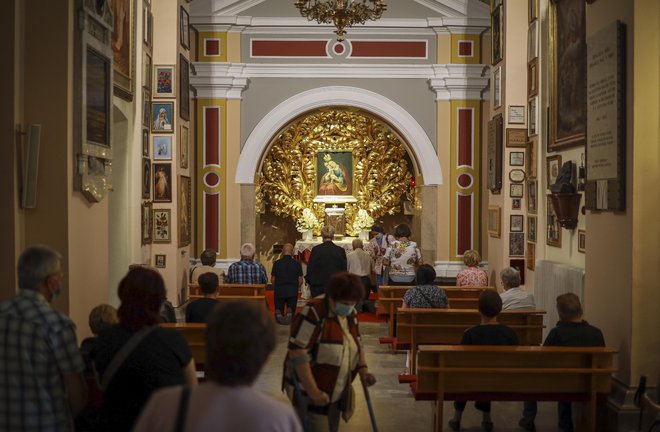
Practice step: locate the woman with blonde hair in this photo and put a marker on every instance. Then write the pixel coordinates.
(472, 275)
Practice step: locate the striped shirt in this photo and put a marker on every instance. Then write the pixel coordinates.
(246, 272)
(37, 348)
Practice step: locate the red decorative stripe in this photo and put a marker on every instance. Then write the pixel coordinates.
(464, 223)
(407, 49)
(212, 135)
(287, 48)
(465, 137)
(212, 221)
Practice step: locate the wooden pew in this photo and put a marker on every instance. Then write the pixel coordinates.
(446, 326)
(195, 336)
(506, 373)
(231, 289)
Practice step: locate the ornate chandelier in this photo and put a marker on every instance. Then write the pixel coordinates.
(343, 13)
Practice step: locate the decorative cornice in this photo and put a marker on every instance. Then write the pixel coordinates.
(450, 81)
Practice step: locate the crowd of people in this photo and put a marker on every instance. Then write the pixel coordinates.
(146, 372)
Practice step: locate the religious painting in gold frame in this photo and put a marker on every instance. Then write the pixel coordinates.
(334, 176)
(123, 47)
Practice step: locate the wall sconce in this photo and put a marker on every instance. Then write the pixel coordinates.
(567, 207)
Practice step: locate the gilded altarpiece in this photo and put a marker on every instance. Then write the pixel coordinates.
(331, 157)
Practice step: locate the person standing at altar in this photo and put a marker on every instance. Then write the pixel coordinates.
(246, 271)
(286, 277)
(325, 260)
(359, 263)
(377, 247)
(403, 256)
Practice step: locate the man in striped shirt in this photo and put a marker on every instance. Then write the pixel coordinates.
(246, 271)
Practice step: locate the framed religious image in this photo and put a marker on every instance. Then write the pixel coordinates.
(532, 10)
(494, 221)
(531, 229)
(334, 176)
(162, 147)
(516, 223)
(145, 142)
(123, 47)
(146, 104)
(516, 114)
(532, 41)
(516, 137)
(582, 241)
(183, 147)
(516, 204)
(162, 226)
(184, 28)
(517, 158)
(517, 176)
(146, 178)
(147, 25)
(147, 223)
(553, 229)
(162, 182)
(160, 260)
(497, 88)
(185, 212)
(568, 74)
(532, 199)
(494, 153)
(530, 256)
(146, 70)
(531, 159)
(184, 88)
(164, 81)
(533, 116)
(162, 117)
(516, 244)
(496, 35)
(533, 78)
(516, 190)
(553, 166)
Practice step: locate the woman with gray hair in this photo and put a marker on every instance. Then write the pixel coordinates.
(513, 296)
(472, 275)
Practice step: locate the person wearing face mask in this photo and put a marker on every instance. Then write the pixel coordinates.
(377, 247)
(325, 355)
(38, 350)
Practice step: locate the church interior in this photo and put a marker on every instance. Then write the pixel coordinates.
(147, 131)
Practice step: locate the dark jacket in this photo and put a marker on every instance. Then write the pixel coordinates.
(325, 260)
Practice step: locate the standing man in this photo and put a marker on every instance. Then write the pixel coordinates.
(325, 260)
(360, 264)
(246, 271)
(286, 277)
(43, 385)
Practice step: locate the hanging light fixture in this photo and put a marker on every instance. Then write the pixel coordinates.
(341, 13)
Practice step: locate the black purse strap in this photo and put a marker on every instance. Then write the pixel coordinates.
(183, 410)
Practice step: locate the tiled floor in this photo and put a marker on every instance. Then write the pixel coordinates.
(393, 404)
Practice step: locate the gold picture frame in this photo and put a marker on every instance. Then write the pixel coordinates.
(494, 221)
(123, 48)
(335, 179)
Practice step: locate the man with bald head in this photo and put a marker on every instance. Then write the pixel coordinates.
(246, 271)
(286, 277)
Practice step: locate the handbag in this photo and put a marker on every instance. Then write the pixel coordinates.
(179, 425)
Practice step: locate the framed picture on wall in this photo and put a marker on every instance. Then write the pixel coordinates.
(517, 158)
(145, 142)
(516, 190)
(531, 159)
(184, 28)
(531, 229)
(160, 260)
(553, 166)
(494, 221)
(497, 88)
(123, 47)
(516, 244)
(553, 229)
(582, 241)
(532, 196)
(184, 88)
(164, 81)
(146, 178)
(530, 256)
(533, 116)
(147, 223)
(183, 147)
(146, 105)
(185, 213)
(162, 117)
(146, 70)
(162, 182)
(533, 78)
(517, 223)
(532, 41)
(497, 35)
(162, 147)
(515, 204)
(162, 226)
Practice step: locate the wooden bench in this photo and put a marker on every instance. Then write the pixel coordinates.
(390, 298)
(506, 373)
(446, 326)
(258, 299)
(195, 336)
(231, 289)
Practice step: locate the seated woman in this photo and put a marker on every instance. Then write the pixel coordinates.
(403, 256)
(489, 332)
(472, 275)
(198, 310)
(239, 339)
(136, 356)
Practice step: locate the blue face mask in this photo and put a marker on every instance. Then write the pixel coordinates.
(344, 309)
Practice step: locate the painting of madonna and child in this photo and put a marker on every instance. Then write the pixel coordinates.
(334, 175)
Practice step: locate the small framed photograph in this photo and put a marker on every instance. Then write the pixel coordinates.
(184, 28)
(516, 114)
(147, 223)
(517, 223)
(516, 204)
(146, 104)
(516, 137)
(494, 221)
(497, 88)
(162, 147)
(582, 241)
(162, 226)
(531, 229)
(159, 260)
(533, 78)
(532, 111)
(516, 190)
(516, 244)
(530, 256)
(517, 176)
(146, 178)
(553, 229)
(162, 182)
(164, 80)
(532, 41)
(183, 147)
(145, 142)
(532, 196)
(553, 166)
(532, 159)
(517, 158)
(162, 117)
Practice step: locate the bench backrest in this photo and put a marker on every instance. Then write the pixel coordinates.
(195, 336)
(232, 289)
